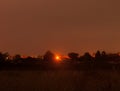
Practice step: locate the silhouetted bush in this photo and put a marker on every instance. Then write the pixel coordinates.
(3, 57)
(49, 56)
(73, 56)
(17, 59)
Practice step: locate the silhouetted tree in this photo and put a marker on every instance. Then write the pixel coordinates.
(73, 56)
(49, 56)
(17, 58)
(101, 56)
(104, 56)
(103, 53)
(98, 56)
(88, 57)
(4, 57)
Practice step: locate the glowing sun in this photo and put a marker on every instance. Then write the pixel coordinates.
(58, 58)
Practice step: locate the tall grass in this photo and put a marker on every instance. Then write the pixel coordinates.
(60, 80)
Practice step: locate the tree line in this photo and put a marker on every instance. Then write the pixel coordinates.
(49, 57)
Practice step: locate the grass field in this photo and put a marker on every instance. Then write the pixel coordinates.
(60, 80)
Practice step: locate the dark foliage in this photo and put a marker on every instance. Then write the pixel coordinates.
(86, 57)
(48, 59)
(73, 56)
(49, 56)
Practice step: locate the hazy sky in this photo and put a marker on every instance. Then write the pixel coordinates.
(32, 27)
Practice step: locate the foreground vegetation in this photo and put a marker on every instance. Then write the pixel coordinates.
(100, 60)
(60, 80)
(100, 72)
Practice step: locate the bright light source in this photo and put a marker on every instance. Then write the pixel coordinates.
(57, 58)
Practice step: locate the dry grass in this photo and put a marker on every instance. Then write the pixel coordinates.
(60, 80)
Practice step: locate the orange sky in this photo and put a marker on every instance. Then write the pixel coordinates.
(32, 27)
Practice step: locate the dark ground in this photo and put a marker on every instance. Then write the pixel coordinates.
(61, 78)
